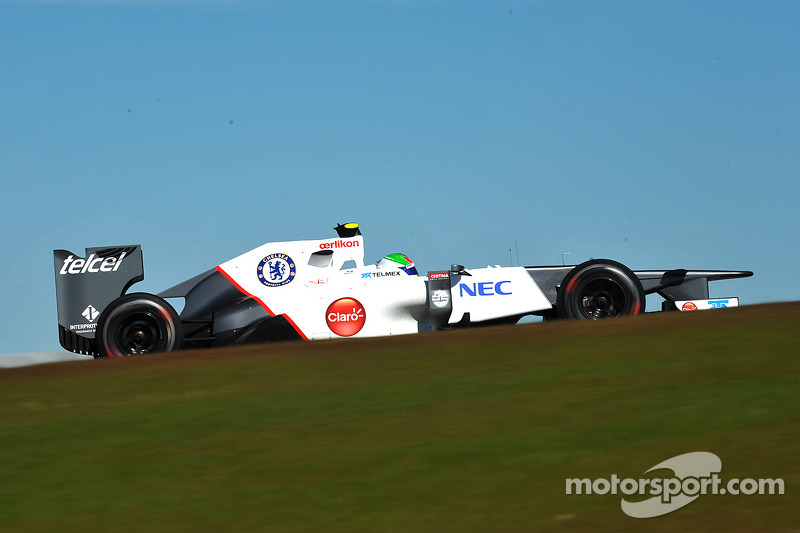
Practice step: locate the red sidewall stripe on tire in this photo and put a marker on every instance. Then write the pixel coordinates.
(261, 302)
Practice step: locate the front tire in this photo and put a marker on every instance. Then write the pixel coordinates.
(600, 288)
(138, 323)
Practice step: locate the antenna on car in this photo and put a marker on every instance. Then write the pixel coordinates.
(510, 255)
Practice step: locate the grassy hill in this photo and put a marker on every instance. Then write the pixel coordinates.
(469, 430)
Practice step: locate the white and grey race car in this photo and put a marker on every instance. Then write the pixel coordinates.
(321, 289)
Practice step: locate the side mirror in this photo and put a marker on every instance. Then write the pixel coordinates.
(459, 269)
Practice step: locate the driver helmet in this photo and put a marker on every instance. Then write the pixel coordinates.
(400, 261)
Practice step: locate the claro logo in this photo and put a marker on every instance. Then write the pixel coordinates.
(91, 264)
(345, 317)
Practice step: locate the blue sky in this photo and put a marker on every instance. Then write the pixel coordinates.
(659, 134)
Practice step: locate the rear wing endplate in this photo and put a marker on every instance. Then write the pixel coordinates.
(86, 285)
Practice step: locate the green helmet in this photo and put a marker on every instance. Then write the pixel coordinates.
(400, 261)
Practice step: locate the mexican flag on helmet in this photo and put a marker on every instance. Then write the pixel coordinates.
(400, 261)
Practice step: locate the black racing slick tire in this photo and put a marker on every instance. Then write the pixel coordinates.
(138, 323)
(600, 288)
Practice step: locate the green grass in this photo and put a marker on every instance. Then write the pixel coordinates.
(472, 430)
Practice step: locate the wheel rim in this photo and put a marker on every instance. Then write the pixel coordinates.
(139, 333)
(602, 298)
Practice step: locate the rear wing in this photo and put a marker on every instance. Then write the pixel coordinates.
(86, 285)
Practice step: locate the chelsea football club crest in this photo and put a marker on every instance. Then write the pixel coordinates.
(276, 270)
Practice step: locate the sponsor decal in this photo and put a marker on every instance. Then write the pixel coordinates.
(438, 275)
(485, 288)
(440, 298)
(716, 303)
(345, 317)
(91, 264)
(379, 274)
(318, 281)
(276, 270)
(82, 328)
(340, 244)
(90, 313)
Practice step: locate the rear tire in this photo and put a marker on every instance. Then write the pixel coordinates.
(138, 323)
(600, 288)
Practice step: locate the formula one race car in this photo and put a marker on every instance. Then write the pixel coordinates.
(320, 289)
